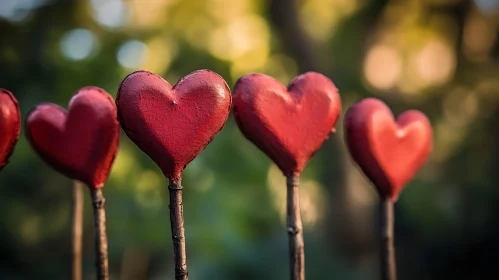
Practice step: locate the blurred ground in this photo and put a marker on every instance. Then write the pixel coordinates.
(439, 56)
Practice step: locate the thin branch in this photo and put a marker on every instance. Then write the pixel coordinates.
(77, 229)
(98, 202)
(177, 226)
(388, 265)
(295, 229)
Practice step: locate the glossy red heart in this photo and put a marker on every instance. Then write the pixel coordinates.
(10, 125)
(388, 151)
(172, 125)
(80, 143)
(289, 125)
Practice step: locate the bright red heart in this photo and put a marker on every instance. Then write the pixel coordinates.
(289, 125)
(173, 125)
(81, 143)
(389, 152)
(10, 125)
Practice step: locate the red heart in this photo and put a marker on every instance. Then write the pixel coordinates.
(389, 152)
(173, 125)
(289, 125)
(10, 125)
(81, 143)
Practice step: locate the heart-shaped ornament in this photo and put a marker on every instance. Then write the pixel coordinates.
(80, 143)
(388, 151)
(10, 125)
(172, 125)
(288, 124)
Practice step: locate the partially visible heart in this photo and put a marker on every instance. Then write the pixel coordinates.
(10, 125)
(389, 152)
(81, 143)
(289, 125)
(173, 125)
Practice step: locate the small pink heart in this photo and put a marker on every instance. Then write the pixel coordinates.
(289, 125)
(389, 152)
(80, 143)
(10, 125)
(172, 125)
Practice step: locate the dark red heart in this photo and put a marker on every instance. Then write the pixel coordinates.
(10, 125)
(291, 124)
(389, 152)
(81, 143)
(173, 125)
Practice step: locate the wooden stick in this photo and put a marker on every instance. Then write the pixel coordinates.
(77, 229)
(100, 234)
(295, 229)
(388, 265)
(177, 226)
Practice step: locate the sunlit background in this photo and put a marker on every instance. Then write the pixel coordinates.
(438, 56)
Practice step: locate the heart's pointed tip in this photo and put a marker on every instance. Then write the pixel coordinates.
(174, 176)
(95, 185)
(393, 197)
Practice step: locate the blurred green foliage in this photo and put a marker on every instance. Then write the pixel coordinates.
(439, 56)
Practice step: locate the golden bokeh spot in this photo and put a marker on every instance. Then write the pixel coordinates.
(161, 52)
(189, 19)
(231, 41)
(479, 36)
(281, 67)
(383, 66)
(149, 15)
(252, 61)
(320, 22)
(225, 11)
(435, 62)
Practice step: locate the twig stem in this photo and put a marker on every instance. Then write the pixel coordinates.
(295, 229)
(388, 266)
(77, 229)
(100, 234)
(177, 226)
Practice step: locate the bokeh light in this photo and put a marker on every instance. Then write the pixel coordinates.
(435, 62)
(383, 66)
(78, 44)
(479, 36)
(487, 6)
(111, 13)
(18, 10)
(132, 54)
(244, 35)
